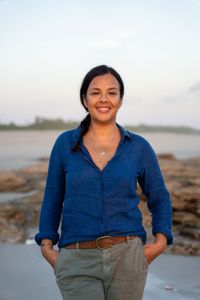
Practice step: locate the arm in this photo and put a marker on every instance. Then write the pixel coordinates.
(159, 204)
(52, 202)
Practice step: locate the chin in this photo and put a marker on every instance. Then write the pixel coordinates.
(104, 120)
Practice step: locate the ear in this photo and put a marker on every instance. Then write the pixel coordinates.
(120, 103)
(85, 101)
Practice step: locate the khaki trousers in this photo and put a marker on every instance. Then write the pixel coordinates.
(117, 273)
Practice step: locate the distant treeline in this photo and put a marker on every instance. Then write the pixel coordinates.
(41, 124)
(59, 124)
(160, 128)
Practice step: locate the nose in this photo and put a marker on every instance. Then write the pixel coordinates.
(103, 98)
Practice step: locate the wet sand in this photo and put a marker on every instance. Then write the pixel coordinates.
(25, 275)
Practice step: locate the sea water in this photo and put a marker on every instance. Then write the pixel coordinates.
(22, 148)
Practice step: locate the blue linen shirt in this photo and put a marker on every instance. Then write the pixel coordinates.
(90, 203)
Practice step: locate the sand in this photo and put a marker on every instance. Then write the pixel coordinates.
(25, 275)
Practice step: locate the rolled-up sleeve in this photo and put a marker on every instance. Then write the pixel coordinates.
(154, 188)
(53, 197)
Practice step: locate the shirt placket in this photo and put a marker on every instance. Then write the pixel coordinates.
(102, 174)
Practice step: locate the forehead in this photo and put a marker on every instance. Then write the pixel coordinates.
(107, 80)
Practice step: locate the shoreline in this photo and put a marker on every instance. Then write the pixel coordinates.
(30, 146)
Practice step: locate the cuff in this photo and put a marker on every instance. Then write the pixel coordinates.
(54, 236)
(167, 232)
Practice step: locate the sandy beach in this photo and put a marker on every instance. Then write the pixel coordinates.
(25, 275)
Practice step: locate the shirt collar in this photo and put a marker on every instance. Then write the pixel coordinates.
(124, 133)
(76, 135)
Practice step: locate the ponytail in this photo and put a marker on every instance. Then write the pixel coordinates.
(84, 127)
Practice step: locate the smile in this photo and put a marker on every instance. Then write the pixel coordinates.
(103, 109)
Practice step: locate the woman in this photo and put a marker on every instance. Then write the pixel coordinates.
(92, 180)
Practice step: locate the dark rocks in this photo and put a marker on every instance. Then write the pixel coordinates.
(182, 178)
(18, 216)
(11, 181)
(12, 220)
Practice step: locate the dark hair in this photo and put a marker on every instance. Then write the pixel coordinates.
(97, 71)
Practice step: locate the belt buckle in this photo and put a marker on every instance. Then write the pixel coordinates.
(102, 238)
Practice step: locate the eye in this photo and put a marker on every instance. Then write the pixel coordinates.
(112, 93)
(95, 93)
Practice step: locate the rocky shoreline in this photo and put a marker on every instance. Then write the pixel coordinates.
(19, 216)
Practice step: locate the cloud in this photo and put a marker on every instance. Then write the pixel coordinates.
(195, 88)
(197, 2)
(190, 94)
(116, 42)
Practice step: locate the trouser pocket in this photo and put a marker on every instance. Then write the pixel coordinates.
(56, 263)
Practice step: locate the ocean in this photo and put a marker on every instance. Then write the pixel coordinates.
(22, 148)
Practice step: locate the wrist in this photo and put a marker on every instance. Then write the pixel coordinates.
(161, 246)
(46, 244)
(161, 241)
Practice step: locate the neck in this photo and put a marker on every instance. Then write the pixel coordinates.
(103, 130)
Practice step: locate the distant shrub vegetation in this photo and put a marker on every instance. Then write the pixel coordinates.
(59, 124)
(41, 124)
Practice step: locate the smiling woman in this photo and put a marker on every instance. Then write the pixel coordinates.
(103, 101)
(103, 98)
(92, 181)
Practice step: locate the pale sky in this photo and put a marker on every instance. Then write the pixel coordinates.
(46, 48)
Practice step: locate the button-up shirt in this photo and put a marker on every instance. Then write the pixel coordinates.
(89, 202)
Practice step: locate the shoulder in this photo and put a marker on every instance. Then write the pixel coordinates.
(140, 145)
(138, 140)
(65, 138)
(66, 135)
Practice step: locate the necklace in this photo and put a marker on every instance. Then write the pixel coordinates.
(100, 152)
(102, 158)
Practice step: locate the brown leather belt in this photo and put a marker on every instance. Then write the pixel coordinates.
(102, 242)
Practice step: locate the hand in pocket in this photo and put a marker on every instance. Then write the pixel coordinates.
(51, 255)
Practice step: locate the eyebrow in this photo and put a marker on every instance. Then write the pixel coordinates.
(111, 88)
